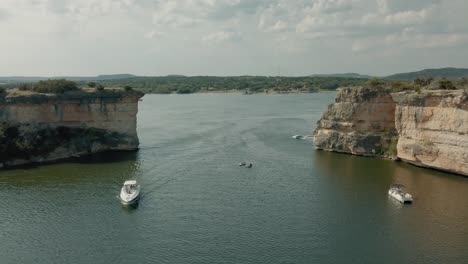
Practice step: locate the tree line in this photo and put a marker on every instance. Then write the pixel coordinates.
(183, 85)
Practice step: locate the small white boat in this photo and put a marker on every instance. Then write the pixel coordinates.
(130, 192)
(298, 137)
(397, 192)
(242, 164)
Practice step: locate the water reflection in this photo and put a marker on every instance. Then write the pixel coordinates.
(106, 170)
(197, 206)
(435, 224)
(130, 208)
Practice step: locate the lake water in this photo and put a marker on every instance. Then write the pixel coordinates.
(296, 205)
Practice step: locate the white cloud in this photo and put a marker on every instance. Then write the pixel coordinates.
(382, 6)
(182, 13)
(411, 39)
(417, 40)
(332, 6)
(3, 14)
(154, 34)
(271, 32)
(408, 17)
(221, 36)
(277, 26)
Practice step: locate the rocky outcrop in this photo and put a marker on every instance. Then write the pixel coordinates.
(433, 129)
(425, 128)
(360, 122)
(48, 127)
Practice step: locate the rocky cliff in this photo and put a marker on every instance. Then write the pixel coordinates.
(47, 127)
(360, 122)
(433, 129)
(425, 128)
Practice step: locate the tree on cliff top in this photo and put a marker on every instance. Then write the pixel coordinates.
(423, 81)
(445, 84)
(376, 82)
(55, 86)
(25, 86)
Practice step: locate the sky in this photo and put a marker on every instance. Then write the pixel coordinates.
(230, 37)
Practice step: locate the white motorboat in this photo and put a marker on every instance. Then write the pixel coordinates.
(397, 192)
(130, 192)
(298, 137)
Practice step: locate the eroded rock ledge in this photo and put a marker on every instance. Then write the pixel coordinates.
(425, 128)
(49, 127)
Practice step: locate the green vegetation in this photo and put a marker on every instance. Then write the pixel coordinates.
(184, 85)
(463, 81)
(251, 84)
(423, 81)
(55, 86)
(25, 86)
(450, 73)
(397, 85)
(420, 84)
(2, 90)
(446, 85)
(49, 86)
(376, 82)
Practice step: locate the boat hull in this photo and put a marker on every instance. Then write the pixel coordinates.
(129, 198)
(399, 197)
(130, 202)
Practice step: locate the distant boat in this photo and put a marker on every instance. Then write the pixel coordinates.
(298, 137)
(130, 192)
(242, 164)
(396, 191)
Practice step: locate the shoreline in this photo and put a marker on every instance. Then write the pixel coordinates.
(241, 92)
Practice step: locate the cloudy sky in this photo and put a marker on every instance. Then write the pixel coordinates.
(230, 37)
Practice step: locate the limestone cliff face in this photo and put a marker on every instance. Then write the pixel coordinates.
(429, 128)
(433, 129)
(40, 127)
(361, 122)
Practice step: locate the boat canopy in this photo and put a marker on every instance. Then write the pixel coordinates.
(130, 182)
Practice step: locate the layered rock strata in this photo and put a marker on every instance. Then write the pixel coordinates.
(433, 129)
(425, 128)
(48, 127)
(360, 122)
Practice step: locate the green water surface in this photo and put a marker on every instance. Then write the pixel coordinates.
(296, 205)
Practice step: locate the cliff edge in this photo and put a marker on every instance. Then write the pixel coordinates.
(433, 129)
(37, 127)
(360, 122)
(427, 128)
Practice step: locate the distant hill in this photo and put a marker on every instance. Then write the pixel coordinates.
(450, 73)
(26, 79)
(115, 76)
(343, 75)
(183, 84)
(175, 75)
(21, 79)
